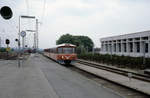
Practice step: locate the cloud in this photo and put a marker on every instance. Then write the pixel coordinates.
(94, 18)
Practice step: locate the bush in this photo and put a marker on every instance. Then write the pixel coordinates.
(2, 49)
(121, 61)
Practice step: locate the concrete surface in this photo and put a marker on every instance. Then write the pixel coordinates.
(25, 82)
(136, 84)
(40, 77)
(70, 84)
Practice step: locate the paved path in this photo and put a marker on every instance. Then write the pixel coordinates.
(25, 82)
(40, 77)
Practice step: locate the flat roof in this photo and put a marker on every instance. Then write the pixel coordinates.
(125, 36)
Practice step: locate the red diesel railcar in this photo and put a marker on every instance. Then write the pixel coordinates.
(64, 53)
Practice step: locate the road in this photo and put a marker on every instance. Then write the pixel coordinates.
(39, 77)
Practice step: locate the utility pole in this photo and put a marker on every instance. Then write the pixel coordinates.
(19, 34)
(37, 35)
(19, 44)
(34, 40)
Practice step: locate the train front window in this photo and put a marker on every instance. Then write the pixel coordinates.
(68, 50)
(60, 50)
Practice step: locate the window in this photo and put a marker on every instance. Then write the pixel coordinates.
(106, 47)
(146, 47)
(138, 46)
(119, 44)
(125, 48)
(114, 47)
(131, 47)
(68, 50)
(60, 50)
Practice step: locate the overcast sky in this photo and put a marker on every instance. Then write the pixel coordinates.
(93, 18)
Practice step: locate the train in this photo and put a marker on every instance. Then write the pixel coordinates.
(63, 53)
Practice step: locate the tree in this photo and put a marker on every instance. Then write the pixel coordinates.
(82, 42)
(65, 39)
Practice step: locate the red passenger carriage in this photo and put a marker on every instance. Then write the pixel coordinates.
(64, 53)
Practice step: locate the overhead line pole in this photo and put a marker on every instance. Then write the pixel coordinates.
(37, 35)
(19, 44)
(19, 54)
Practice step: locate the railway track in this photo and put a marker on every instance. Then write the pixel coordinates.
(118, 89)
(116, 70)
(126, 91)
(121, 90)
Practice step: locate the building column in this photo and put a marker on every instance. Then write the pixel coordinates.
(122, 48)
(109, 48)
(141, 48)
(104, 47)
(117, 47)
(134, 47)
(127, 46)
(112, 47)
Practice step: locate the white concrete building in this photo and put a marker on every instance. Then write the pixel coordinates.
(134, 44)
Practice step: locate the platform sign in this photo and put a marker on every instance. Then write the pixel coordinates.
(8, 49)
(23, 34)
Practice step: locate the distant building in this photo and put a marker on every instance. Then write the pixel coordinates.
(134, 44)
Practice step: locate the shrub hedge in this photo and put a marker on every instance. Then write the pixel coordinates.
(120, 61)
(2, 49)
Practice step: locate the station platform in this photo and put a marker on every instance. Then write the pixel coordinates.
(25, 82)
(135, 84)
(39, 77)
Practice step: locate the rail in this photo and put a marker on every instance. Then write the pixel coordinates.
(115, 70)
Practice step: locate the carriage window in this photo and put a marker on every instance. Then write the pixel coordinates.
(68, 50)
(60, 50)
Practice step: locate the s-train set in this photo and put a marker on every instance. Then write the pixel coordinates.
(63, 53)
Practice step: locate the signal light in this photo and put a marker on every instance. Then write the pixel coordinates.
(6, 12)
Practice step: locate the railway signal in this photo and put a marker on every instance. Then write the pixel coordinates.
(6, 12)
(7, 49)
(7, 41)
